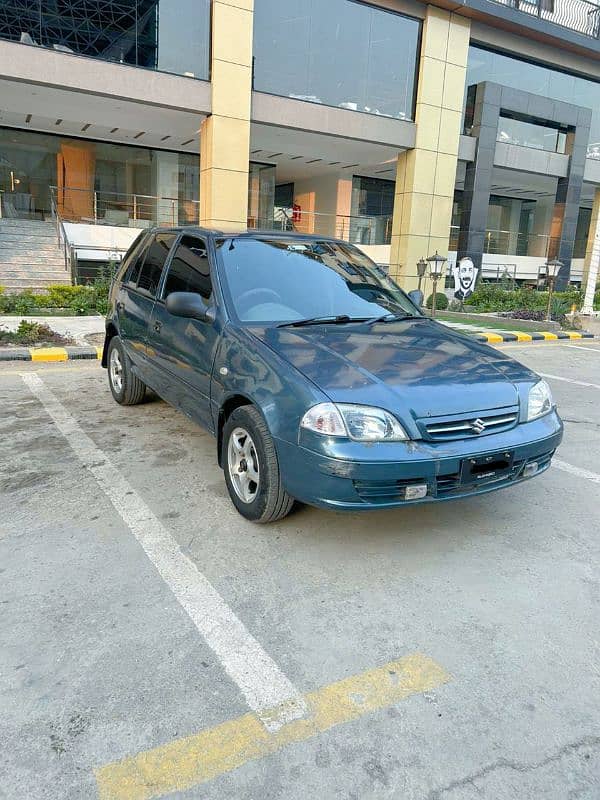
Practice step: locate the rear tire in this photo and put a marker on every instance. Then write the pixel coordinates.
(251, 468)
(126, 388)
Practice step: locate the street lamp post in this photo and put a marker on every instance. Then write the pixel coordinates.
(436, 270)
(552, 269)
(421, 270)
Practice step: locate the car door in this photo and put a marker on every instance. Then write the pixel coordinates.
(184, 349)
(136, 297)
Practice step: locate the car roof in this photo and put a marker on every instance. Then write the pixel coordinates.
(245, 234)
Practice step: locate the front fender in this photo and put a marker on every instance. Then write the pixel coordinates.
(280, 392)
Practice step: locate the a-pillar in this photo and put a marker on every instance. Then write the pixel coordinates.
(426, 175)
(225, 135)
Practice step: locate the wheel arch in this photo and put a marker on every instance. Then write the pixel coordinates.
(229, 406)
(111, 332)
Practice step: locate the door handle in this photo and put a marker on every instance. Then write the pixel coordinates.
(157, 326)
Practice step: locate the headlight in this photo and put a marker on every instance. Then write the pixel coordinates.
(540, 400)
(362, 423)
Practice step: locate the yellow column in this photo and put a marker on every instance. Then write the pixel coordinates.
(594, 227)
(225, 136)
(426, 175)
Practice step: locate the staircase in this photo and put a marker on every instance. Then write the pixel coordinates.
(30, 257)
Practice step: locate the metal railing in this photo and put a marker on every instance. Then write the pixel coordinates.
(514, 243)
(582, 16)
(122, 209)
(61, 234)
(354, 228)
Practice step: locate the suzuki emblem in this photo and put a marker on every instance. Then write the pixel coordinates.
(477, 426)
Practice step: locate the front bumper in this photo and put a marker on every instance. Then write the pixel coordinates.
(366, 476)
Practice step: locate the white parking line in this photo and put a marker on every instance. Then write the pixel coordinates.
(267, 690)
(569, 380)
(590, 349)
(577, 471)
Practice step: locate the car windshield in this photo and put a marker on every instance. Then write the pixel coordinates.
(285, 280)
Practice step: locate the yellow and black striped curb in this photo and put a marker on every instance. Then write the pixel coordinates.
(534, 336)
(48, 354)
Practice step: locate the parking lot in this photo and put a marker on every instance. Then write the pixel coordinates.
(157, 644)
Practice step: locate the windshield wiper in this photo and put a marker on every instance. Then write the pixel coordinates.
(394, 318)
(341, 319)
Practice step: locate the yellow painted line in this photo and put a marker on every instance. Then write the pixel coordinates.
(549, 336)
(99, 352)
(48, 354)
(573, 335)
(494, 338)
(187, 762)
(523, 337)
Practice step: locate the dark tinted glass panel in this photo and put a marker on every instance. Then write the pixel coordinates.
(168, 35)
(339, 53)
(136, 260)
(154, 262)
(543, 81)
(189, 270)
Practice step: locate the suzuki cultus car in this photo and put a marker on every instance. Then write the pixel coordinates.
(321, 380)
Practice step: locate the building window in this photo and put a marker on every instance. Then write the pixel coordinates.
(528, 134)
(166, 35)
(87, 181)
(339, 53)
(485, 65)
(371, 210)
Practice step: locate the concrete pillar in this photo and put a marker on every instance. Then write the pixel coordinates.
(225, 136)
(591, 268)
(426, 175)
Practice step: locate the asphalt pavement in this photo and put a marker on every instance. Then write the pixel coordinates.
(441, 652)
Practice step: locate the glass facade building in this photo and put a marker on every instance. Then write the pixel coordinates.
(486, 65)
(339, 53)
(166, 35)
(95, 181)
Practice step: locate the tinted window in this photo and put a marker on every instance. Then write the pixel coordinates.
(154, 262)
(281, 280)
(133, 262)
(189, 270)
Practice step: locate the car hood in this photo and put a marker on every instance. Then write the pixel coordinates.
(420, 367)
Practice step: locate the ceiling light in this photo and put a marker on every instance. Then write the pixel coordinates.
(86, 126)
(141, 133)
(189, 141)
(58, 121)
(114, 130)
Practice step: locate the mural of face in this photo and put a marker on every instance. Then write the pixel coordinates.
(466, 274)
(465, 277)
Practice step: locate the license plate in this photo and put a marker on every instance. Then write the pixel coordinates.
(492, 467)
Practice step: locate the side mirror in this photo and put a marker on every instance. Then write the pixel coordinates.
(416, 295)
(187, 304)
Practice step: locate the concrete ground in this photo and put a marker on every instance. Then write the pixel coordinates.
(105, 657)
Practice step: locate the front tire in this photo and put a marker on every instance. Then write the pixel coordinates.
(251, 468)
(126, 388)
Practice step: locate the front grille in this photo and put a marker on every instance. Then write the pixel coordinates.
(472, 426)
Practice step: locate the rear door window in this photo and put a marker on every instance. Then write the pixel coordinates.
(131, 269)
(156, 255)
(189, 269)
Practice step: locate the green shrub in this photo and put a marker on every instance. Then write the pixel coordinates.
(441, 301)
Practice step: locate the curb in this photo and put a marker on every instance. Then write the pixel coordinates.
(48, 354)
(534, 336)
